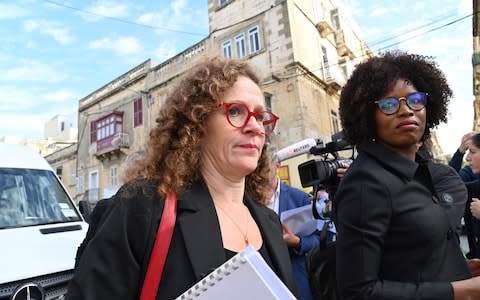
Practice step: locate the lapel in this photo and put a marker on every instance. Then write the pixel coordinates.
(200, 229)
(283, 198)
(269, 225)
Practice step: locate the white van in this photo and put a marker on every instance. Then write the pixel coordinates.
(40, 227)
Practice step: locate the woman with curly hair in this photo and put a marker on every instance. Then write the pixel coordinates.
(394, 240)
(209, 147)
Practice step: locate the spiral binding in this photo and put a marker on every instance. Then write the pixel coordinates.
(211, 279)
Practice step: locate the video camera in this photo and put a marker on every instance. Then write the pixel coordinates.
(324, 171)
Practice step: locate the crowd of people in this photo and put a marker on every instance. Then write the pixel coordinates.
(397, 213)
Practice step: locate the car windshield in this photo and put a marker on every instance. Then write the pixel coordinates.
(33, 197)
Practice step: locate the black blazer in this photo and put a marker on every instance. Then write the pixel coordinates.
(114, 263)
(394, 239)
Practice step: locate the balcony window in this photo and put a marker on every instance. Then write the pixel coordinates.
(335, 125)
(254, 39)
(106, 127)
(326, 67)
(240, 44)
(227, 49)
(318, 10)
(79, 185)
(137, 112)
(335, 19)
(59, 172)
(113, 176)
(222, 2)
(268, 101)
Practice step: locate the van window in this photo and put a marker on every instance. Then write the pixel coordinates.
(33, 197)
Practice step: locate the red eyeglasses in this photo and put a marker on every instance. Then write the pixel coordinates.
(238, 115)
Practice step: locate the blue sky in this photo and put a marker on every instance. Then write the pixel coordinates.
(55, 52)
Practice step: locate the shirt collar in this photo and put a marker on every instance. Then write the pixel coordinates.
(392, 160)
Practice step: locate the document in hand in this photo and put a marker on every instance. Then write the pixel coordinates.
(244, 276)
(299, 220)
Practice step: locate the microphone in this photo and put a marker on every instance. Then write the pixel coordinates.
(296, 149)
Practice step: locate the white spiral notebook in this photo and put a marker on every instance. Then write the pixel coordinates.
(244, 276)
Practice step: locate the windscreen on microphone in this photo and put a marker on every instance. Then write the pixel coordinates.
(296, 149)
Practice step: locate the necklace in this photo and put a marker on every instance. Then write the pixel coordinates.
(245, 235)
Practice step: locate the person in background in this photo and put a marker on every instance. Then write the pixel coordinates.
(95, 220)
(285, 197)
(209, 148)
(394, 240)
(472, 213)
(456, 161)
(451, 192)
(324, 208)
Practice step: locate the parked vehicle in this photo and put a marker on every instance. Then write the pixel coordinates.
(40, 227)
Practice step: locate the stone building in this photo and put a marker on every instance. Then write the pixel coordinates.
(304, 51)
(64, 162)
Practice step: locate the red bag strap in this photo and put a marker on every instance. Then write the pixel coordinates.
(160, 248)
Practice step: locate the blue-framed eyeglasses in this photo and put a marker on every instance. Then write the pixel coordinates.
(238, 115)
(415, 101)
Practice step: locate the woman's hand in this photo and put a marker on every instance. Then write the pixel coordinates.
(475, 208)
(466, 139)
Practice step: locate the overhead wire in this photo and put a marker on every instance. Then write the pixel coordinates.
(360, 55)
(434, 21)
(122, 20)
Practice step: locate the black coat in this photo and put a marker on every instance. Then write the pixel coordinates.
(394, 239)
(113, 264)
(472, 224)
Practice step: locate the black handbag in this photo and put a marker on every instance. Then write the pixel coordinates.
(320, 267)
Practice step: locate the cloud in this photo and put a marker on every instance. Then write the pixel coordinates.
(418, 6)
(60, 96)
(164, 51)
(465, 7)
(379, 11)
(28, 124)
(122, 46)
(450, 134)
(178, 17)
(157, 20)
(178, 6)
(105, 8)
(56, 30)
(11, 11)
(151, 19)
(30, 108)
(28, 70)
(17, 100)
(453, 55)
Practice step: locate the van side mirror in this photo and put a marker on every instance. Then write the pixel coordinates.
(85, 209)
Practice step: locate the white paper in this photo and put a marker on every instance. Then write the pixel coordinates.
(300, 220)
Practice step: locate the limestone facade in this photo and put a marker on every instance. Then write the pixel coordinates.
(304, 50)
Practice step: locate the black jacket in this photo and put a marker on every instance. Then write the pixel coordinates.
(394, 240)
(472, 224)
(114, 262)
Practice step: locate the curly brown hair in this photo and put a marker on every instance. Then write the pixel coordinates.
(375, 77)
(172, 157)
